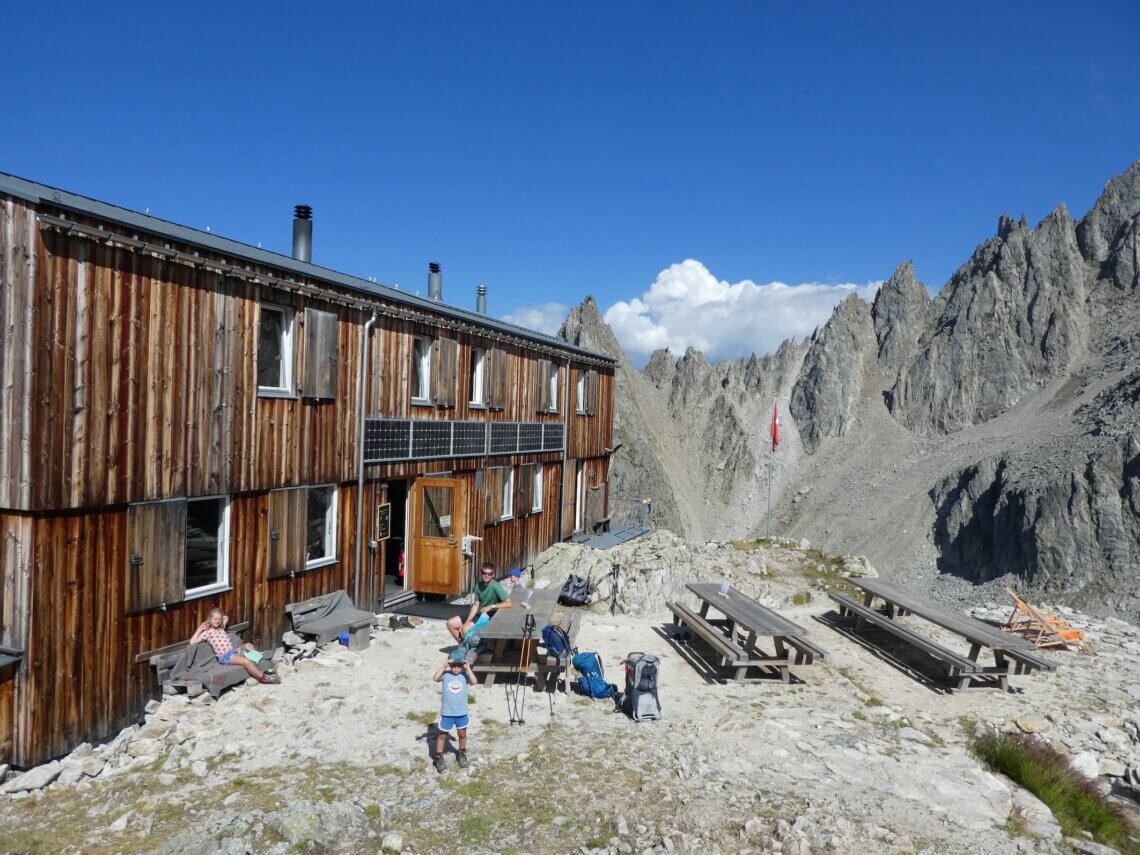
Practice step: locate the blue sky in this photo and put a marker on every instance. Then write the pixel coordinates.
(553, 151)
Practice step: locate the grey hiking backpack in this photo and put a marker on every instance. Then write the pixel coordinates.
(640, 699)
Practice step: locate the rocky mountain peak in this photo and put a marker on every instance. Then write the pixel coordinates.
(830, 382)
(900, 312)
(585, 327)
(1110, 218)
(659, 370)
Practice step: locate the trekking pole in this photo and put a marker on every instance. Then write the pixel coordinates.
(613, 589)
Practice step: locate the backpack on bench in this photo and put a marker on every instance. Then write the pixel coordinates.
(592, 678)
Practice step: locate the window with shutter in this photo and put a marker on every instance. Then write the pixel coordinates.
(421, 370)
(542, 386)
(536, 489)
(274, 350)
(319, 379)
(288, 510)
(493, 494)
(156, 534)
(445, 370)
(591, 393)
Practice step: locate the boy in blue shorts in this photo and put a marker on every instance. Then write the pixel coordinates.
(456, 676)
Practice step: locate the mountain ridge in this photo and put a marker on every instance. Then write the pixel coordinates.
(987, 434)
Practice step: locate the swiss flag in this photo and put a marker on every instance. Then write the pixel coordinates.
(775, 425)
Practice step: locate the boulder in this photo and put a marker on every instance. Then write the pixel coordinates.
(33, 779)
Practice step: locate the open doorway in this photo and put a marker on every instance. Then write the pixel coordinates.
(394, 547)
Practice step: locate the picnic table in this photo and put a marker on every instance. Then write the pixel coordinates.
(507, 630)
(735, 636)
(1012, 655)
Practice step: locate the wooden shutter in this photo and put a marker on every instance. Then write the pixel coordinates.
(569, 494)
(319, 379)
(524, 490)
(287, 518)
(591, 393)
(444, 372)
(495, 379)
(542, 398)
(493, 495)
(156, 570)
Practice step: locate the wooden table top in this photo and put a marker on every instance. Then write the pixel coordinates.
(743, 610)
(972, 629)
(508, 623)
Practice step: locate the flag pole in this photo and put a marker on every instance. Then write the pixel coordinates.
(769, 535)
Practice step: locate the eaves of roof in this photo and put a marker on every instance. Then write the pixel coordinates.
(36, 193)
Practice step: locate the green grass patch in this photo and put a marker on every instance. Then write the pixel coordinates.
(969, 725)
(1075, 801)
(475, 829)
(801, 599)
(423, 717)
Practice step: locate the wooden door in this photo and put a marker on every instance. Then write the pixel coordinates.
(439, 509)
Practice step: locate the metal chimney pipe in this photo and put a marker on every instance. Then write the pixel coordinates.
(435, 281)
(481, 299)
(303, 233)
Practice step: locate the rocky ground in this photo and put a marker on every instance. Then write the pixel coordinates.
(857, 754)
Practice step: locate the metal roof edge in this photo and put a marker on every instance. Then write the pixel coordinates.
(37, 193)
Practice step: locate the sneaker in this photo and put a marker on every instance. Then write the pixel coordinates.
(270, 678)
(440, 763)
(461, 759)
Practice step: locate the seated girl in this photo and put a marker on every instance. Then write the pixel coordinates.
(213, 631)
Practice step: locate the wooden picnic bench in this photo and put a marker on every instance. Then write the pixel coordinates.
(1011, 654)
(506, 631)
(331, 615)
(734, 637)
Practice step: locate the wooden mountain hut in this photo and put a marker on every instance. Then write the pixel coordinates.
(187, 421)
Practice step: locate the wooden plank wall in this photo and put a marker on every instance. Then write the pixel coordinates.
(79, 680)
(17, 274)
(590, 436)
(517, 542)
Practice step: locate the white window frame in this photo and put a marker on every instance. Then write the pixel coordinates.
(580, 393)
(508, 511)
(287, 388)
(554, 374)
(222, 579)
(330, 528)
(425, 370)
(579, 498)
(536, 490)
(478, 367)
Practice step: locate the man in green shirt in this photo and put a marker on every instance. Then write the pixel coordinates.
(490, 596)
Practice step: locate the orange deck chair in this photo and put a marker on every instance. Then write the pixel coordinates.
(1044, 630)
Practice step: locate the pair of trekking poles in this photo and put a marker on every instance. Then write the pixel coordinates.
(516, 692)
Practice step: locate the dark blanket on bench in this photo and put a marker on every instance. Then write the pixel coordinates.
(327, 616)
(199, 664)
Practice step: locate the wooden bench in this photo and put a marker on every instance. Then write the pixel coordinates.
(956, 664)
(806, 651)
(731, 654)
(1027, 662)
(338, 617)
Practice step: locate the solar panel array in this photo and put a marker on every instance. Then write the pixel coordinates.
(504, 437)
(387, 440)
(530, 437)
(553, 436)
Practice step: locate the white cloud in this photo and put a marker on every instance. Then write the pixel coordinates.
(689, 307)
(546, 318)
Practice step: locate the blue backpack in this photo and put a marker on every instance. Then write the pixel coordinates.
(592, 680)
(555, 639)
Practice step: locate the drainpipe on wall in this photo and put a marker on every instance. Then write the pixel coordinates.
(360, 464)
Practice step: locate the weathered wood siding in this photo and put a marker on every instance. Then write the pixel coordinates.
(591, 435)
(79, 680)
(517, 542)
(17, 274)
